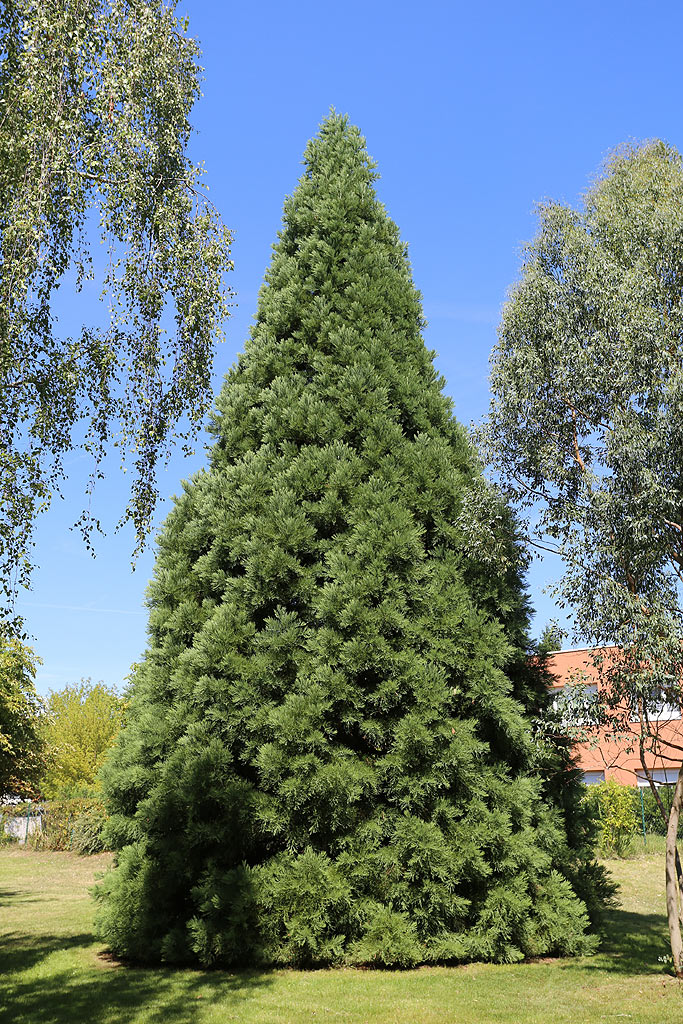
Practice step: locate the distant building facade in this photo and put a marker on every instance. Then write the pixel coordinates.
(606, 756)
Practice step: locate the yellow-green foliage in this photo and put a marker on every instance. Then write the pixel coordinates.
(80, 726)
(615, 810)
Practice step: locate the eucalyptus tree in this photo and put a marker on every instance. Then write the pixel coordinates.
(95, 103)
(586, 432)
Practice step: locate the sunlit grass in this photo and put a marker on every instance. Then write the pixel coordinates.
(53, 971)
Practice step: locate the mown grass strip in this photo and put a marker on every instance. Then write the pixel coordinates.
(53, 971)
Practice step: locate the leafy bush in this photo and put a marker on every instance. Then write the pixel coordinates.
(70, 825)
(616, 810)
(306, 903)
(87, 830)
(390, 940)
(654, 823)
(19, 810)
(5, 838)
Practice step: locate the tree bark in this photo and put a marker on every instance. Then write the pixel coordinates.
(665, 818)
(672, 888)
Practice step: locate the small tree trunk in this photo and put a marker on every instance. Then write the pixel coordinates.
(665, 819)
(672, 889)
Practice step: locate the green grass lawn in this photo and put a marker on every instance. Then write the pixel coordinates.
(53, 971)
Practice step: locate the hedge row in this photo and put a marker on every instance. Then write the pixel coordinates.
(65, 824)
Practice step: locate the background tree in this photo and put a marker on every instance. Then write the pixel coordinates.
(552, 638)
(586, 431)
(95, 100)
(21, 747)
(79, 726)
(326, 757)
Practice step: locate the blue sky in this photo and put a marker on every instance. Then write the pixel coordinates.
(473, 113)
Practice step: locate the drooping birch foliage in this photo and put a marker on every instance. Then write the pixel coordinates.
(95, 101)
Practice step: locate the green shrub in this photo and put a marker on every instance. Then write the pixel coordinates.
(390, 939)
(305, 902)
(654, 823)
(649, 811)
(70, 825)
(87, 830)
(616, 810)
(19, 810)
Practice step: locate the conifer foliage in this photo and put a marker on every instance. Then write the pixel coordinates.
(326, 757)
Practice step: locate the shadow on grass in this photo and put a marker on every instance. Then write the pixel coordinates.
(20, 952)
(20, 896)
(108, 994)
(631, 944)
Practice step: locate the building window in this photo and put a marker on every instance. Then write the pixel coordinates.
(576, 703)
(660, 777)
(593, 778)
(659, 709)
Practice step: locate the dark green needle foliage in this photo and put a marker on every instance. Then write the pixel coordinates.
(326, 757)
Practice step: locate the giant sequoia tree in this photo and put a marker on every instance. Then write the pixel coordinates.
(326, 757)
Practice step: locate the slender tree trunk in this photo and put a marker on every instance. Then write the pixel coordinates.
(665, 818)
(672, 888)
